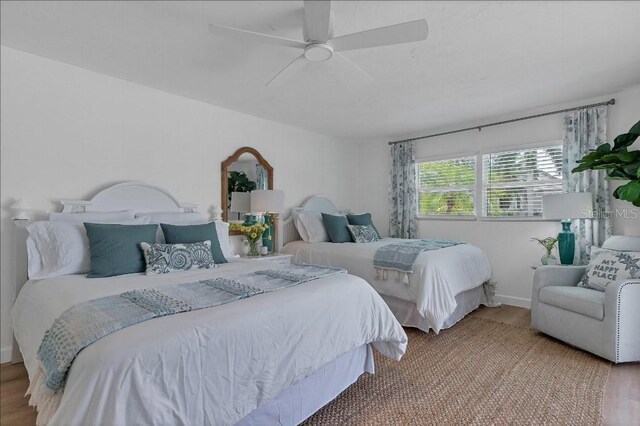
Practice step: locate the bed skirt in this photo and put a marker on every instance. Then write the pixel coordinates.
(407, 314)
(297, 403)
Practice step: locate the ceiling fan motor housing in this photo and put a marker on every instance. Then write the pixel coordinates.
(318, 52)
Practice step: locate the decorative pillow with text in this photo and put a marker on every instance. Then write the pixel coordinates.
(609, 266)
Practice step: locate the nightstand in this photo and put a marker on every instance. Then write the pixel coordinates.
(279, 258)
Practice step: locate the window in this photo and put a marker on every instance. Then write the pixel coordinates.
(513, 182)
(492, 185)
(447, 187)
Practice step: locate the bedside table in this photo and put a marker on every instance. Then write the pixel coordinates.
(279, 258)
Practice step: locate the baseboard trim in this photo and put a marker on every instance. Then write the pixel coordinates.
(513, 301)
(5, 354)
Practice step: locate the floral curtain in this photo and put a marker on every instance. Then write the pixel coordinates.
(261, 177)
(402, 191)
(585, 129)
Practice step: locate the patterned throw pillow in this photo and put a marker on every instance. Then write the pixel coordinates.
(363, 233)
(165, 258)
(608, 266)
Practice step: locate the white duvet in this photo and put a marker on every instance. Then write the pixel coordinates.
(438, 277)
(210, 366)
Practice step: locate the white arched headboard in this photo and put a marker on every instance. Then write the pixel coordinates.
(316, 203)
(138, 196)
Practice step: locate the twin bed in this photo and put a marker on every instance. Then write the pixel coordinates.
(446, 285)
(274, 358)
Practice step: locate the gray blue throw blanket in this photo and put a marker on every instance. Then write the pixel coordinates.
(86, 322)
(402, 256)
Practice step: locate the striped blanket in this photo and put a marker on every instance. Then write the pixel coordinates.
(402, 256)
(85, 323)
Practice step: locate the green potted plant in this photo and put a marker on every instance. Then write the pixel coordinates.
(619, 162)
(548, 243)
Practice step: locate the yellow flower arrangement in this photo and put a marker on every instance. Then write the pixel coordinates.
(253, 233)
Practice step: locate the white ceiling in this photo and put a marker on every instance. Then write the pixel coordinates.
(481, 58)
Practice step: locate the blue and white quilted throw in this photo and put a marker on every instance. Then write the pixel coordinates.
(402, 256)
(84, 323)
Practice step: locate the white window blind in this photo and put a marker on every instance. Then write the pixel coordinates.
(447, 187)
(513, 182)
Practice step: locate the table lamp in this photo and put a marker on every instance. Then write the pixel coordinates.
(571, 205)
(240, 203)
(269, 202)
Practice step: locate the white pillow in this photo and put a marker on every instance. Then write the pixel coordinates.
(60, 248)
(93, 217)
(222, 229)
(174, 218)
(310, 226)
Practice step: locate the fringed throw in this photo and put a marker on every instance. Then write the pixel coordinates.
(402, 256)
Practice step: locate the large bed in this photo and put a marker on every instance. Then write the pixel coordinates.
(446, 285)
(273, 358)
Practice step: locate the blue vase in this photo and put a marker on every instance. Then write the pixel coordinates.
(267, 239)
(566, 243)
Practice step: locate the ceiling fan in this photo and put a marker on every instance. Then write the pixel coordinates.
(320, 45)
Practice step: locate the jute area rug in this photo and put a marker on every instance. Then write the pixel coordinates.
(479, 372)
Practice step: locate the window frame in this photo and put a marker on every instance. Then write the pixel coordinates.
(479, 209)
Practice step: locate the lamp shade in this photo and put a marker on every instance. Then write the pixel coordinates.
(240, 202)
(571, 205)
(267, 201)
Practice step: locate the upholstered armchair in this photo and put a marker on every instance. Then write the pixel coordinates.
(606, 323)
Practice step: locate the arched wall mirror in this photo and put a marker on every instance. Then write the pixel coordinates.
(244, 170)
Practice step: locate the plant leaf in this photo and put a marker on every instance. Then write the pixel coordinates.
(624, 157)
(624, 140)
(605, 147)
(629, 192)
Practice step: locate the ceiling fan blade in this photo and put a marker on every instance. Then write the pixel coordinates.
(255, 37)
(288, 70)
(383, 36)
(317, 20)
(356, 66)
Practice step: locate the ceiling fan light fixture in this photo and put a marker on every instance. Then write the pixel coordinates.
(318, 52)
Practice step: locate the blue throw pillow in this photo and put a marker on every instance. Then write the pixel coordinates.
(115, 249)
(188, 234)
(362, 220)
(337, 228)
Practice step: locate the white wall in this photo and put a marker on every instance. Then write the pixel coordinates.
(67, 132)
(507, 243)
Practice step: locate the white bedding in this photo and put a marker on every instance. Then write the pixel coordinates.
(439, 275)
(210, 366)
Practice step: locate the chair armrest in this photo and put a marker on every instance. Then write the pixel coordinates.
(555, 275)
(621, 303)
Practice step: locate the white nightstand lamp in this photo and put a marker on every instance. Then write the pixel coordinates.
(21, 210)
(269, 202)
(571, 205)
(240, 203)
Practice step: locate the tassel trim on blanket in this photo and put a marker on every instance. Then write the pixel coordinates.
(382, 274)
(45, 401)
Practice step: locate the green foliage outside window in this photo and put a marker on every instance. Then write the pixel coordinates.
(513, 183)
(451, 187)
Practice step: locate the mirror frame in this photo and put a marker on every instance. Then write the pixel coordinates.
(224, 178)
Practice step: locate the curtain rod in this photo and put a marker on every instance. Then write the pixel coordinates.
(497, 123)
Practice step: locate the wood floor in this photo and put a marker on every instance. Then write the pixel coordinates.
(621, 404)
